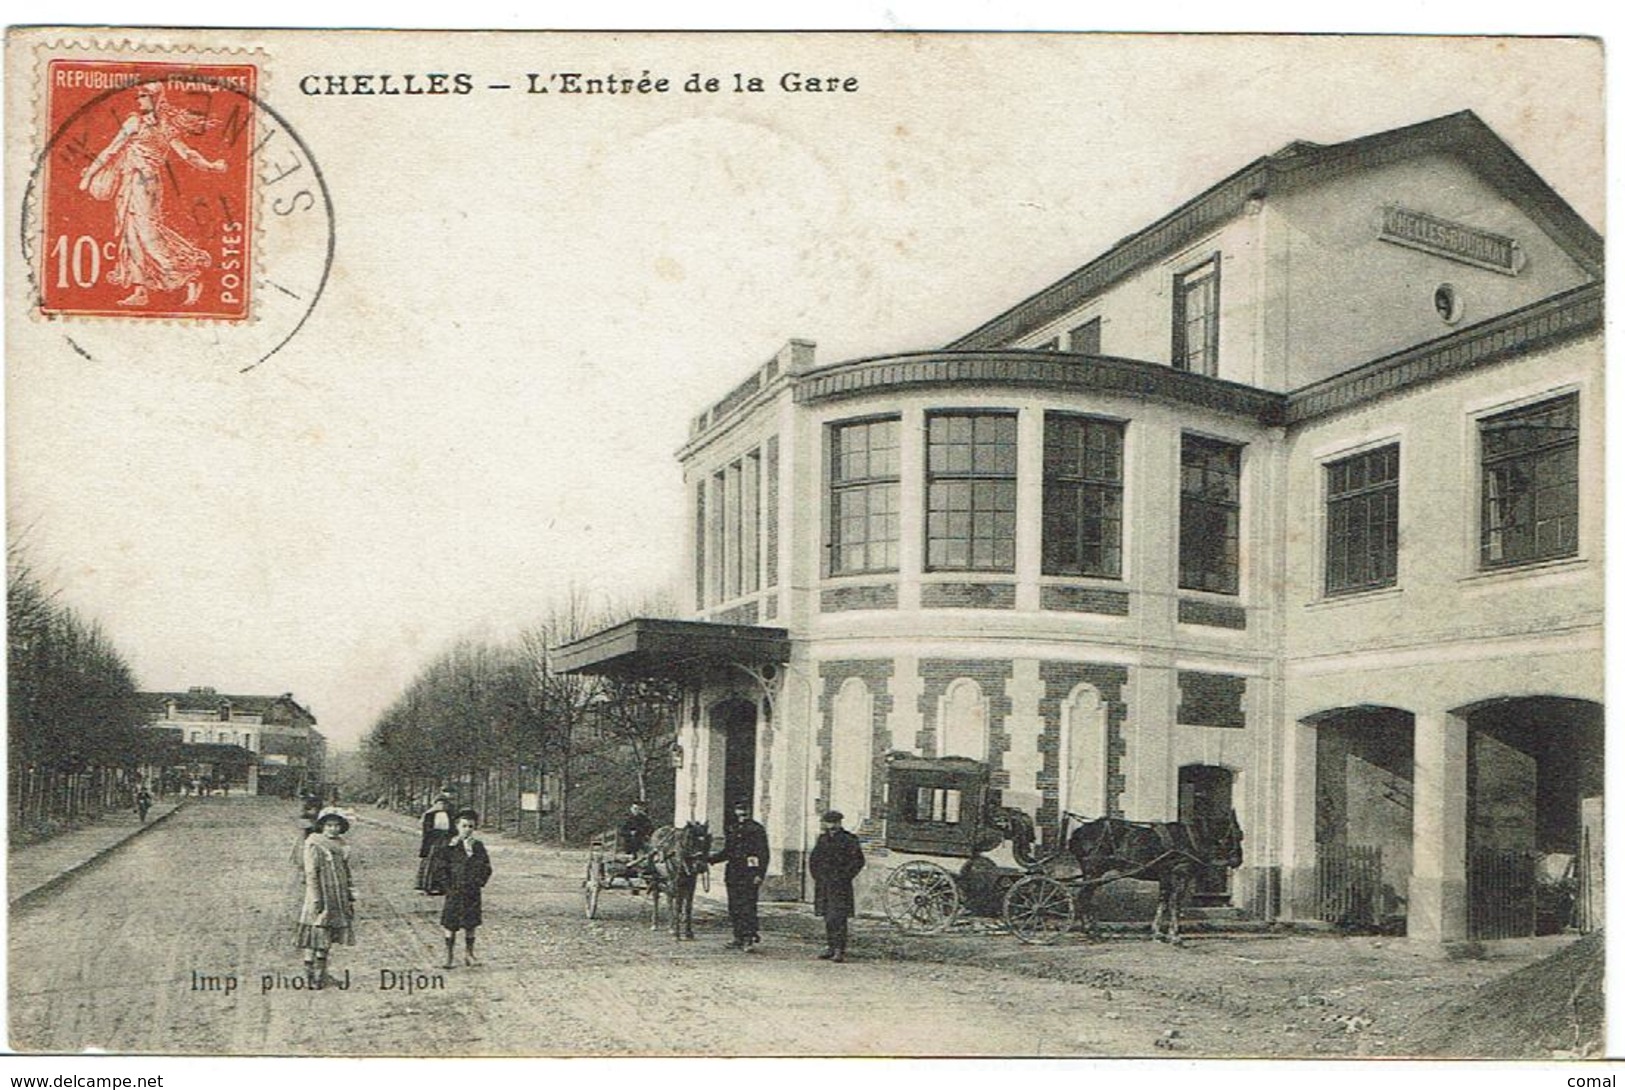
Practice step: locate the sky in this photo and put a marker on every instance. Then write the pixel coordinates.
(530, 297)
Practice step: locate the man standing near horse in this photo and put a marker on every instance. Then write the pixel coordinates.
(744, 848)
(836, 860)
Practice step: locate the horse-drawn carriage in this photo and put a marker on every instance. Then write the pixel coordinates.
(944, 808)
(671, 864)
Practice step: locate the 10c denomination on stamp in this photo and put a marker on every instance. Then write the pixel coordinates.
(146, 201)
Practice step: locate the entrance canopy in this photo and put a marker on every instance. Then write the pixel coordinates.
(677, 650)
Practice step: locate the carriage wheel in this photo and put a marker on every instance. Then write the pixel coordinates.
(590, 886)
(1038, 909)
(921, 898)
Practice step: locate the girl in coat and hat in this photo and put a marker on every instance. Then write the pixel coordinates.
(464, 868)
(327, 916)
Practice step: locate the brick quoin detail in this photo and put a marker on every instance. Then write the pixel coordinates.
(764, 716)
(993, 676)
(1059, 679)
(1113, 603)
(841, 599)
(877, 675)
(1212, 700)
(745, 614)
(968, 596)
(1211, 614)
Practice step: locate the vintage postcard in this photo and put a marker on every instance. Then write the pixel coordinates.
(804, 544)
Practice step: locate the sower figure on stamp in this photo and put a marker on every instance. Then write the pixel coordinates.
(744, 848)
(464, 868)
(836, 860)
(327, 915)
(133, 170)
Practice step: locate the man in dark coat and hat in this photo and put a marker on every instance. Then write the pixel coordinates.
(836, 860)
(744, 848)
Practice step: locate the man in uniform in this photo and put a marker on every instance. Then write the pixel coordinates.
(744, 848)
(836, 860)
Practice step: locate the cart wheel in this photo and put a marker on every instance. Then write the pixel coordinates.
(921, 898)
(590, 887)
(1038, 909)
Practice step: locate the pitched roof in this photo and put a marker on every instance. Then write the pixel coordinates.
(1298, 164)
(200, 698)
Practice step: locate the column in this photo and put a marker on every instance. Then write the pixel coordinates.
(1438, 893)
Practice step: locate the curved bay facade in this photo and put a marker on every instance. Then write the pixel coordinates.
(1287, 504)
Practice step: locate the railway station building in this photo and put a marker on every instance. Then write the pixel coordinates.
(1288, 503)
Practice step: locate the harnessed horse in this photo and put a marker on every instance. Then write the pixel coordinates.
(1169, 853)
(678, 856)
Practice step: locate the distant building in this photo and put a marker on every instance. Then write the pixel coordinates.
(1288, 503)
(262, 745)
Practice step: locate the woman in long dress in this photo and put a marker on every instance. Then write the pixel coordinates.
(436, 831)
(132, 171)
(465, 867)
(327, 915)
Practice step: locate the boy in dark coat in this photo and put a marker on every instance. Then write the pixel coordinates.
(744, 847)
(836, 860)
(463, 868)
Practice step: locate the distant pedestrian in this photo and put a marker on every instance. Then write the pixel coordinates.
(836, 860)
(143, 803)
(464, 868)
(744, 848)
(327, 914)
(437, 822)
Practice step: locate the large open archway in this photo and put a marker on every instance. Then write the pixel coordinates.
(1534, 815)
(1364, 818)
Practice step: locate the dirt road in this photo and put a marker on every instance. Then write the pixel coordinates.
(181, 942)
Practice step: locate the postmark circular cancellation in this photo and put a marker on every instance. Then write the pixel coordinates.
(171, 210)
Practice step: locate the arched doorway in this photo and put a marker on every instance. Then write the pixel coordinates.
(1206, 794)
(1534, 816)
(733, 738)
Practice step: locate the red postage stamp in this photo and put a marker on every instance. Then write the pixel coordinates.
(147, 201)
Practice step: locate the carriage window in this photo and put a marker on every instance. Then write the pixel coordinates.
(938, 804)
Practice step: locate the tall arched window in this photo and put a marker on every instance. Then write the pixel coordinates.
(1083, 753)
(850, 748)
(964, 721)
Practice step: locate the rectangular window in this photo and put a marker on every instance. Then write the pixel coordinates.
(1530, 461)
(1085, 338)
(719, 535)
(864, 496)
(1083, 496)
(750, 514)
(1362, 521)
(1209, 515)
(732, 505)
(1196, 318)
(970, 522)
